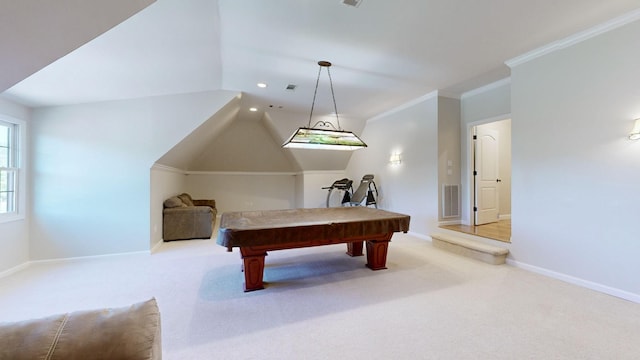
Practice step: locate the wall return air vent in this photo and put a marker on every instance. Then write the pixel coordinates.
(450, 201)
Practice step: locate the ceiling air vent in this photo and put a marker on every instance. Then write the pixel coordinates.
(291, 87)
(354, 3)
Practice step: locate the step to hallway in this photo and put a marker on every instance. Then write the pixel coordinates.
(469, 247)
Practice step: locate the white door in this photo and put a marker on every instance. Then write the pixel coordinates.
(486, 177)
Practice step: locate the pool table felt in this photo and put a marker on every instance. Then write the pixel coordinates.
(324, 225)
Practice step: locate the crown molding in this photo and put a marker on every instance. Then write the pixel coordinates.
(433, 94)
(485, 88)
(244, 173)
(321, 172)
(161, 167)
(575, 38)
(449, 95)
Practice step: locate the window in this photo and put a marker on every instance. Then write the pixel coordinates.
(9, 167)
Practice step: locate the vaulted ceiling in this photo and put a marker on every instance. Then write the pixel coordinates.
(33, 33)
(384, 53)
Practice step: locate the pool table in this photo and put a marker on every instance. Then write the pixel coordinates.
(256, 232)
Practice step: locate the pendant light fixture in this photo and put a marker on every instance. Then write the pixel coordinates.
(324, 135)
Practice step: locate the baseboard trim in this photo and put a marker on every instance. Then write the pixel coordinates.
(15, 269)
(577, 281)
(155, 247)
(27, 264)
(90, 257)
(449, 222)
(420, 236)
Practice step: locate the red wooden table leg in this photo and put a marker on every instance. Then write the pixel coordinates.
(377, 253)
(354, 248)
(253, 262)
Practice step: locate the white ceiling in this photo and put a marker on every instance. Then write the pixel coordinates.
(34, 33)
(384, 53)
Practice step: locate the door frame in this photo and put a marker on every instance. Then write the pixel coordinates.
(469, 166)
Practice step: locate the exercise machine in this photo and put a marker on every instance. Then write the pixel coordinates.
(341, 193)
(366, 191)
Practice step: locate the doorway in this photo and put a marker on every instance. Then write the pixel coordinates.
(489, 181)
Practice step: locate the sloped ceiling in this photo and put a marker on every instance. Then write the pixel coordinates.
(171, 47)
(245, 145)
(35, 33)
(196, 143)
(384, 54)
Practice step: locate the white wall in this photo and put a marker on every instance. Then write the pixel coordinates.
(313, 194)
(299, 191)
(448, 147)
(240, 191)
(575, 174)
(412, 186)
(91, 170)
(487, 104)
(244, 191)
(14, 234)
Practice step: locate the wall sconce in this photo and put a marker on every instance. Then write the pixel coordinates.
(395, 159)
(635, 132)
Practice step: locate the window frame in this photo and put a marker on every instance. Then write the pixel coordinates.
(16, 167)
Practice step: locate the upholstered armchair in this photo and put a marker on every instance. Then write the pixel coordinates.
(185, 218)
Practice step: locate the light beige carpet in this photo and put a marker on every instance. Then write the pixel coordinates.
(322, 304)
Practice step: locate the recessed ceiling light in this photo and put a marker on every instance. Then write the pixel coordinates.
(253, 109)
(354, 3)
(262, 85)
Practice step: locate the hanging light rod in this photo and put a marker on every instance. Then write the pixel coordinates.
(324, 135)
